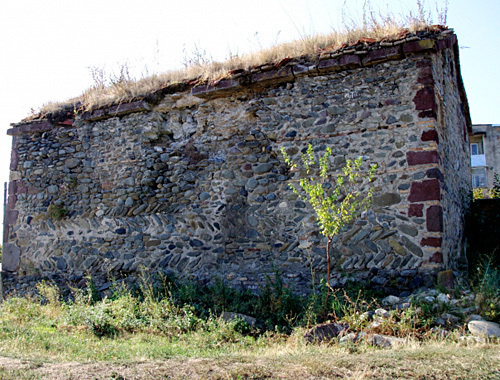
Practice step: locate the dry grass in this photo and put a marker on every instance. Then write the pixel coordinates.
(419, 361)
(200, 68)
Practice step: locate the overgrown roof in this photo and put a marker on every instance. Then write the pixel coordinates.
(355, 48)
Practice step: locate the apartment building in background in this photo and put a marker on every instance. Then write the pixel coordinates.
(485, 154)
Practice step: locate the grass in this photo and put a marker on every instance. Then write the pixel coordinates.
(173, 332)
(200, 68)
(284, 360)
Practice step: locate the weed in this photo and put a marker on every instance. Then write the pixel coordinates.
(486, 286)
(116, 87)
(57, 212)
(49, 292)
(100, 321)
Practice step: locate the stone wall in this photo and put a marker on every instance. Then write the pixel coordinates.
(191, 181)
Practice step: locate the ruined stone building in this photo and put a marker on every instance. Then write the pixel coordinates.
(190, 180)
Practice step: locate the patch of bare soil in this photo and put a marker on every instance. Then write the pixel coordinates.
(169, 369)
(442, 363)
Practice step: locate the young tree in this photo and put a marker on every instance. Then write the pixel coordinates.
(337, 199)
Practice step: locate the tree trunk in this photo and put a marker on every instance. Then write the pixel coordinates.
(327, 273)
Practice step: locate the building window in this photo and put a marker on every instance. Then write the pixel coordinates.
(479, 177)
(476, 148)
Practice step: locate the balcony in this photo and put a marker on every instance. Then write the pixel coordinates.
(477, 160)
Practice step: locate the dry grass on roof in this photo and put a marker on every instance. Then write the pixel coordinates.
(202, 70)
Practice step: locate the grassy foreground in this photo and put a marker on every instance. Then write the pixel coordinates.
(177, 333)
(285, 360)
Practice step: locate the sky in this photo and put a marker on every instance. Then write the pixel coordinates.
(49, 48)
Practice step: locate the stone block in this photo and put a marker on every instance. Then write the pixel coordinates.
(446, 279)
(229, 316)
(427, 190)
(422, 157)
(484, 329)
(435, 173)
(408, 229)
(325, 332)
(398, 248)
(72, 163)
(412, 247)
(301, 69)
(386, 199)
(10, 257)
(263, 168)
(434, 219)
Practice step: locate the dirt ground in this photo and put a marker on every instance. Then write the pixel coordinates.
(464, 363)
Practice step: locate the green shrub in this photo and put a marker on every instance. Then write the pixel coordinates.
(486, 286)
(100, 322)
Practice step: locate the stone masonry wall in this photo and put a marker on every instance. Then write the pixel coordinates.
(193, 183)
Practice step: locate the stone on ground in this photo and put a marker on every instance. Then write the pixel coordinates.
(484, 328)
(228, 316)
(325, 332)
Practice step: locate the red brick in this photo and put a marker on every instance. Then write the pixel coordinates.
(380, 55)
(416, 209)
(272, 75)
(393, 52)
(11, 202)
(40, 126)
(441, 44)
(424, 63)
(434, 219)
(328, 64)
(66, 123)
(430, 135)
(350, 60)
(425, 76)
(11, 217)
(125, 108)
(375, 56)
(447, 43)
(425, 99)
(431, 242)
(436, 258)
(12, 188)
(14, 156)
(427, 190)
(429, 113)
(419, 46)
(422, 157)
